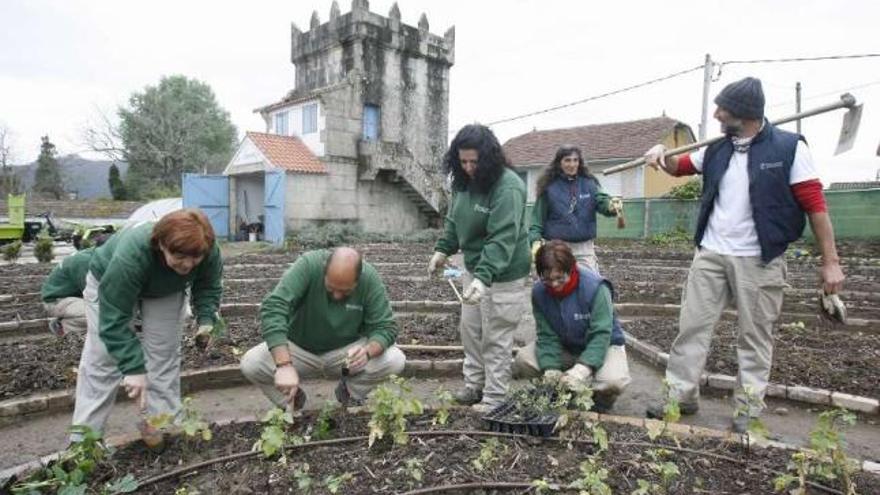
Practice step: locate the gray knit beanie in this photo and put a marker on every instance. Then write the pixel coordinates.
(743, 98)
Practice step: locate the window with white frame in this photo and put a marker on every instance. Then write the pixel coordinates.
(310, 118)
(281, 123)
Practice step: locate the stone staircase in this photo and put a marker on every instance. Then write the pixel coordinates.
(395, 163)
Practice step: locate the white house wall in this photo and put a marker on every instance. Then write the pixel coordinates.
(247, 158)
(295, 125)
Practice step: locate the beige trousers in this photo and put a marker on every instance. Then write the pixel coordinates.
(611, 379)
(714, 282)
(487, 337)
(585, 254)
(99, 377)
(258, 366)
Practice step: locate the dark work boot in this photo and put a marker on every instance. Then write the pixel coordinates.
(655, 411)
(467, 396)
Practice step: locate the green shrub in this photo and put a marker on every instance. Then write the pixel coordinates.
(43, 248)
(341, 234)
(691, 189)
(12, 251)
(678, 235)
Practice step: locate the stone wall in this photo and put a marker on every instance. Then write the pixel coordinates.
(76, 208)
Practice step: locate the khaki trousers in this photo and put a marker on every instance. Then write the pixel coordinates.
(487, 337)
(258, 366)
(714, 282)
(585, 254)
(611, 379)
(70, 311)
(99, 376)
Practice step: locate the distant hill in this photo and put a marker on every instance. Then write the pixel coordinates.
(88, 178)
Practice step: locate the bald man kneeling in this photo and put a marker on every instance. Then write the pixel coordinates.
(329, 312)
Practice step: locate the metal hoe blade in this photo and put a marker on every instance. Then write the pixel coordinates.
(849, 129)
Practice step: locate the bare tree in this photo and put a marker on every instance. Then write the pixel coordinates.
(101, 135)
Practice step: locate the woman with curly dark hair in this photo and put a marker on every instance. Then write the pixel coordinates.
(568, 197)
(486, 221)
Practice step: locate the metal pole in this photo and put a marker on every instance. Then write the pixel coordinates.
(846, 101)
(797, 99)
(707, 80)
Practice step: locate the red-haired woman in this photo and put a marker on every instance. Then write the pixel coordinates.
(143, 271)
(579, 337)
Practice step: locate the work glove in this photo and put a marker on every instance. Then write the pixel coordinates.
(833, 307)
(203, 336)
(287, 382)
(535, 247)
(552, 375)
(437, 262)
(135, 387)
(617, 205)
(356, 359)
(474, 292)
(654, 157)
(577, 376)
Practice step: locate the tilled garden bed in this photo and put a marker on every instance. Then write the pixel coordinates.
(816, 356)
(30, 367)
(458, 453)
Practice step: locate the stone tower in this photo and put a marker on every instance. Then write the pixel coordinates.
(384, 89)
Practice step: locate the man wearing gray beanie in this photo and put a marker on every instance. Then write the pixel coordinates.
(758, 182)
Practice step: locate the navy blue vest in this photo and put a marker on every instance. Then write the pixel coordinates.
(778, 217)
(563, 222)
(570, 317)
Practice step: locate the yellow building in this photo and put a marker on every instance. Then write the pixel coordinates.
(604, 145)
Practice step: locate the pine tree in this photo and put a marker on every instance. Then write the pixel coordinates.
(48, 176)
(117, 187)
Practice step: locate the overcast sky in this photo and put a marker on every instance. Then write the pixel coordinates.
(61, 60)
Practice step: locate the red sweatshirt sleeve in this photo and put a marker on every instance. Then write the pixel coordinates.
(810, 196)
(685, 166)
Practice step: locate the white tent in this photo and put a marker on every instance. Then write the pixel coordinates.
(153, 211)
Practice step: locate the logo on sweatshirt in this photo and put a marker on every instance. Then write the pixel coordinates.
(353, 307)
(481, 209)
(584, 196)
(768, 166)
(581, 316)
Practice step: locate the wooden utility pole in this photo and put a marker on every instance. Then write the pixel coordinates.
(707, 80)
(797, 99)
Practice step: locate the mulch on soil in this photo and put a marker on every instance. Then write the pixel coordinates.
(445, 460)
(816, 356)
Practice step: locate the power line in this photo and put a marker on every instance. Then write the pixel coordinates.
(799, 59)
(828, 93)
(596, 97)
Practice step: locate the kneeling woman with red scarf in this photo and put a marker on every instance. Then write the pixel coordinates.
(579, 336)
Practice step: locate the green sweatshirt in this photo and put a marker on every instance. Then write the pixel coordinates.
(68, 278)
(539, 213)
(129, 270)
(549, 349)
(490, 229)
(301, 310)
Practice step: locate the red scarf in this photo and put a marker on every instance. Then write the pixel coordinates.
(566, 289)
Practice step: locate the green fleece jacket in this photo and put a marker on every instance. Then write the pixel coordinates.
(129, 270)
(549, 349)
(301, 310)
(490, 229)
(68, 278)
(539, 213)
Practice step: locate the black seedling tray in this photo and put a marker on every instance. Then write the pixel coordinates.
(506, 419)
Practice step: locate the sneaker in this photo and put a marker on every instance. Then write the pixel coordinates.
(655, 411)
(56, 327)
(344, 396)
(467, 396)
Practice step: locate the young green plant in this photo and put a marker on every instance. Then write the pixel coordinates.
(390, 404)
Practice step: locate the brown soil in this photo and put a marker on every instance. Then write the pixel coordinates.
(817, 356)
(706, 466)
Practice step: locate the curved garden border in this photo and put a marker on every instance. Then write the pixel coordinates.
(674, 428)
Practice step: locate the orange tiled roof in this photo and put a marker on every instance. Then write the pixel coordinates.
(287, 152)
(618, 140)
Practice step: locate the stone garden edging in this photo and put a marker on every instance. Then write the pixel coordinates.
(118, 441)
(798, 393)
(21, 409)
